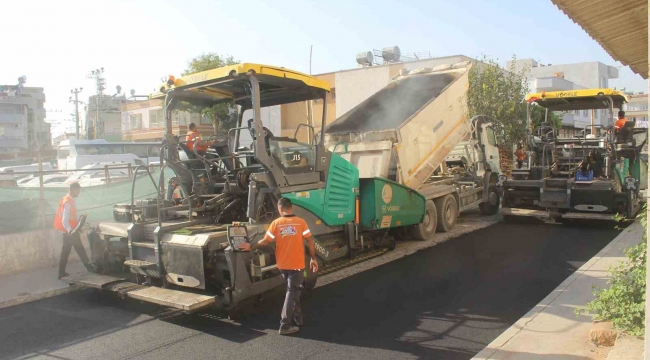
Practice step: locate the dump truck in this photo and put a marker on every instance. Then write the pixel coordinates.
(416, 131)
(597, 175)
(181, 249)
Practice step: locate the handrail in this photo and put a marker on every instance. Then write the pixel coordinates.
(313, 132)
(133, 191)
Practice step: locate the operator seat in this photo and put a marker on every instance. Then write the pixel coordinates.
(625, 141)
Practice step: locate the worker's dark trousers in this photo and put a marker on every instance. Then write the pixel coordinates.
(70, 241)
(291, 310)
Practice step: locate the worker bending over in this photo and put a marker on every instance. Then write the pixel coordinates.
(65, 220)
(288, 232)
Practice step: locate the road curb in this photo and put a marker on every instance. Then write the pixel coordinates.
(518, 326)
(40, 296)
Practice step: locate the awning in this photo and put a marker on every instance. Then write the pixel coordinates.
(620, 27)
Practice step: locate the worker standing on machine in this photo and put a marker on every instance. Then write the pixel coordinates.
(65, 220)
(288, 233)
(521, 156)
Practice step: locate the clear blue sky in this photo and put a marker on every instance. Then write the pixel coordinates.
(56, 43)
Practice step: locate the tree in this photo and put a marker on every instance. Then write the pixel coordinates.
(499, 93)
(222, 116)
(538, 113)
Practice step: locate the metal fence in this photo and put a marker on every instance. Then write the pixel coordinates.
(25, 209)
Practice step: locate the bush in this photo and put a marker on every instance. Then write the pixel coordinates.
(623, 303)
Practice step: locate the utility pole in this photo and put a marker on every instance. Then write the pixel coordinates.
(97, 75)
(76, 108)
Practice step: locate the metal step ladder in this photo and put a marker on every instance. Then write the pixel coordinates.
(181, 300)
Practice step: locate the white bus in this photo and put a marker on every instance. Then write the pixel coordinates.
(75, 154)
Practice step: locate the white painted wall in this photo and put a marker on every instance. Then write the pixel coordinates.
(354, 86)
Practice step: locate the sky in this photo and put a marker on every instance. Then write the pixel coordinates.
(55, 44)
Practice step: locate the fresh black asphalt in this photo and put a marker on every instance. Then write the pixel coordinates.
(446, 302)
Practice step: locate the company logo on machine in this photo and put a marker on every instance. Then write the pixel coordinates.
(288, 231)
(387, 193)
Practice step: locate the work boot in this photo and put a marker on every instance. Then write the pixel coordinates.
(63, 275)
(288, 330)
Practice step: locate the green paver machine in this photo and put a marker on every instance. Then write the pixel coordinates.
(180, 249)
(595, 175)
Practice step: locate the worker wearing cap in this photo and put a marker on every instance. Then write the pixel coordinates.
(288, 233)
(65, 220)
(620, 123)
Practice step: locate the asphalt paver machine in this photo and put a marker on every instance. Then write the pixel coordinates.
(600, 174)
(181, 248)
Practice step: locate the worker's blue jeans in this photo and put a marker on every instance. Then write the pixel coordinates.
(291, 310)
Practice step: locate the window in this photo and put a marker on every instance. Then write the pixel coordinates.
(293, 157)
(491, 136)
(603, 82)
(156, 118)
(135, 121)
(333, 94)
(111, 149)
(87, 150)
(585, 112)
(154, 151)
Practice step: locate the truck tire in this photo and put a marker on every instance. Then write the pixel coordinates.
(447, 208)
(491, 206)
(427, 228)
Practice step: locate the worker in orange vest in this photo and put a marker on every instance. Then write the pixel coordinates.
(193, 137)
(620, 123)
(65, 220)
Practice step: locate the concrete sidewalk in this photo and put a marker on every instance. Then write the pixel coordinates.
(551, 330)
(34, 285)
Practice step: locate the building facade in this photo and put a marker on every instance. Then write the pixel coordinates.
(586, 75)
(637, 109)
(144, 121)
(22, 119)
(109, 126)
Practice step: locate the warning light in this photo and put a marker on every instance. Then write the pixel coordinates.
(543, 94)
(171, 80)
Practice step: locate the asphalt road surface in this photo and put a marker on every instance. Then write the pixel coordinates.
(446, 302)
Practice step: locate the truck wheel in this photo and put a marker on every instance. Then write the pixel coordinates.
(426, 229)
(491, 206)
(447, 208)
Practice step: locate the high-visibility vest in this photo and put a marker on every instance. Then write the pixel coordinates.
(191, 137)
(58, 217)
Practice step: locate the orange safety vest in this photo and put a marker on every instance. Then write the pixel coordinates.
(620, 123)
(191, 137)
(58, 217)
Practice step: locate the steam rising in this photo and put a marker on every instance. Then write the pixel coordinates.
(393, 105)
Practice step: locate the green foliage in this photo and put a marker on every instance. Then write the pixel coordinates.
(500, 94)
(537, 114)
(222, 116)
(623, 303)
